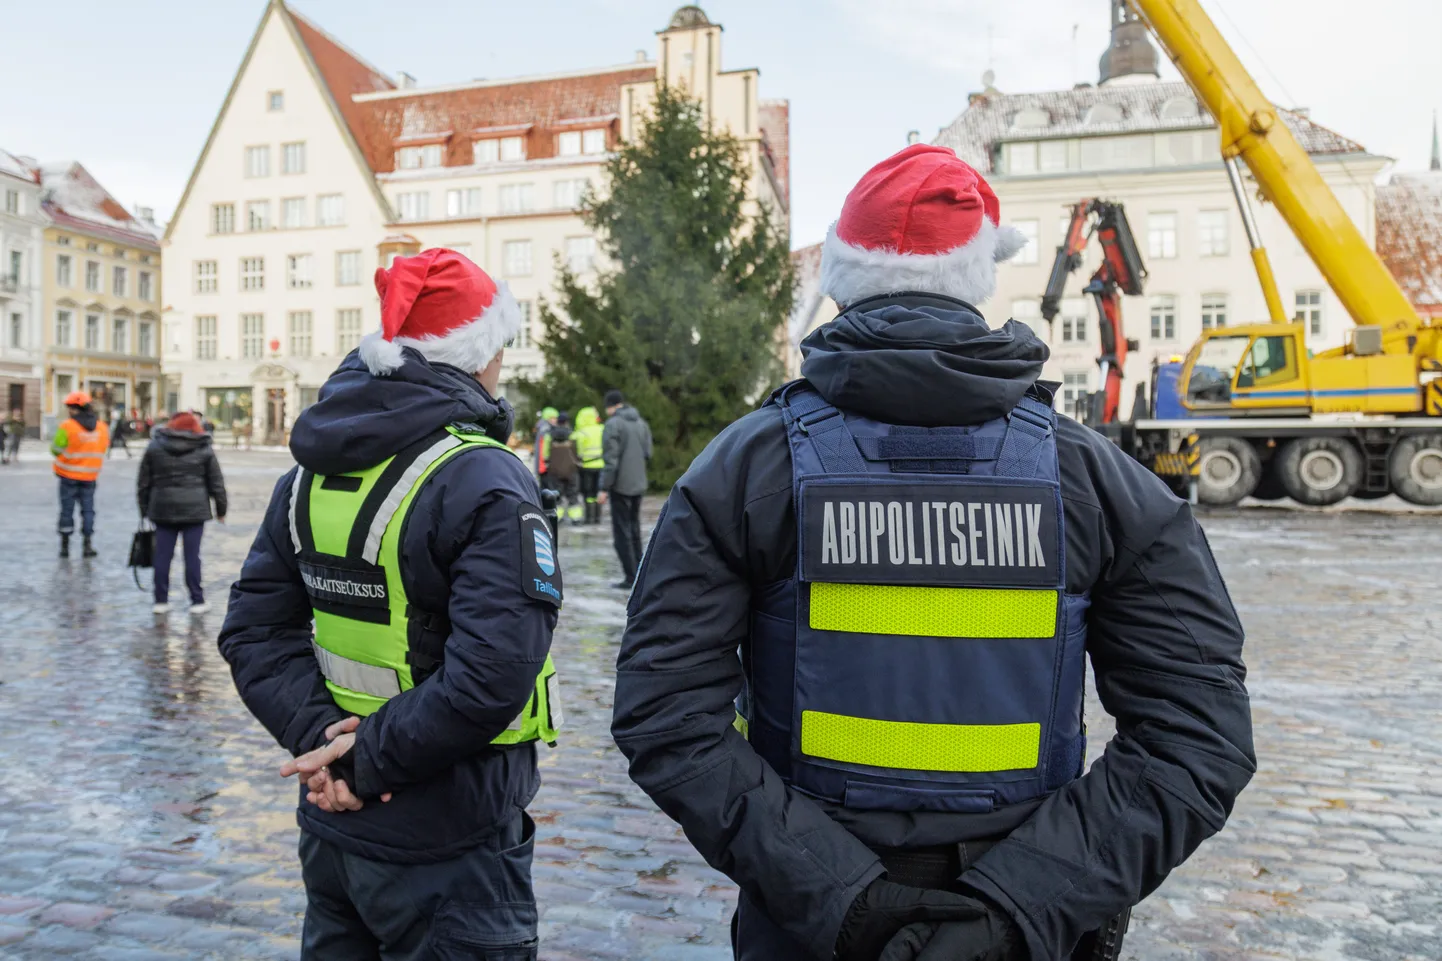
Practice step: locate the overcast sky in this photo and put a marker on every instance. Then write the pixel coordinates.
(131, 89)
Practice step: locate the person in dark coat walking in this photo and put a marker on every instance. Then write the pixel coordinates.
(402, 654)
(626, 448)
(853, 665)
(178, 482)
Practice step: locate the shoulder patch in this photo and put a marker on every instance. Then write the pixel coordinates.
(540, 570)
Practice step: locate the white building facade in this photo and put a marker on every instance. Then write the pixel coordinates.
(320, 169)
(1152, 147)
(21, 241)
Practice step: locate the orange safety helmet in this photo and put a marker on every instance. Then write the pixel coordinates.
(77, 398)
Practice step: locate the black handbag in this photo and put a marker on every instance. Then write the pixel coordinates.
(142, 550)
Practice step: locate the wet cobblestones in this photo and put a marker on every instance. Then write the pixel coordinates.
(141, 816)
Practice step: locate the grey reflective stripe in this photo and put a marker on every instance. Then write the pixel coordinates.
(515, 725)
(295, 490)
(356, 675)
(77, 468)
(553, 701)
(398, 493)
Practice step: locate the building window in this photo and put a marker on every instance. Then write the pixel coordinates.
(257, 215)
(62, 270)
(252, 336)
(580, 254)
(463, 249)
(92, 276)
(568, 144)
(513, 149)
(205, 338)
(486, 151)
(330, 210)
(1214, 311)
(64, 322)
(145, 291)
(1162, 236)
(517, 198)
(252, 273)
(516, 258)
(145, 339)
(522, 340)
(207, 278)
(292, 158)
(1309, 310)
(1021, 158)
(1053, 156)
(1074, 321)
(257, 161)
(12, 202)
(1031, 252)
(593, 142)
(92, 331)
(1028, 312)
(222, 218)
(297, 272)
(275, 101)
(17, 330)
(347, 330)
(62, 241)
(120, 282)
(1212, 233)
(292, 212)
(1075, 386)
(298, 330)
(414, 206)
(119, 334)
(1164, 318)
(415, 158)
(567, 194)
(347, 268)
(463, 203)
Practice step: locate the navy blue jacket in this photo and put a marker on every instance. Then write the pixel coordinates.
(1164, 641)
(460, 553)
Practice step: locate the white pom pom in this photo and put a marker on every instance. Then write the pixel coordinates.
(380, 355)
(1009, 242)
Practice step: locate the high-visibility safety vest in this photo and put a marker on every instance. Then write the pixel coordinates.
(82, 453)
(925, 655)
(371, 642)
(588, 436)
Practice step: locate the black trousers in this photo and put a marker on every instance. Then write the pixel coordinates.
(626, 532)
(165, 538)
(477, 907)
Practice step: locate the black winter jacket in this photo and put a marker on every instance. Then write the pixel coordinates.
(1164, 641)
(179, 478)
(461, 554)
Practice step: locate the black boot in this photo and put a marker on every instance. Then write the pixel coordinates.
(64, 545)
(88, 551)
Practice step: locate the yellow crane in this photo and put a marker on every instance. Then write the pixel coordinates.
(1392, 361)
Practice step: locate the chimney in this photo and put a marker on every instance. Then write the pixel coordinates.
(640, 56)
(405, 81)
(1303, 112)
(145, 214)
(913, 136)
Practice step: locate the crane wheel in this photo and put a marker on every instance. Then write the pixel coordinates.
(1230, 470)
(1416, 469)
(1320, 470)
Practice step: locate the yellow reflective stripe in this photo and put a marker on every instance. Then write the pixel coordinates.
(933, 611)
(912, 746)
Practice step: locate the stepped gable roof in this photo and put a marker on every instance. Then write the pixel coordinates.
(1409, 236)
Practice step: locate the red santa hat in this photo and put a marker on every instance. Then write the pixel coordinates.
(444, 306)
(921, 221)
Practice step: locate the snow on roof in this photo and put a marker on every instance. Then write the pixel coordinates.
(71, 196)
(15, 167)
(992, 118)
(1409, 236)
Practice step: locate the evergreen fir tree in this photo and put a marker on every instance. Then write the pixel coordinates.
(685, 319)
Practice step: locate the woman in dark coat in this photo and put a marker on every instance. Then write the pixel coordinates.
(179, 479)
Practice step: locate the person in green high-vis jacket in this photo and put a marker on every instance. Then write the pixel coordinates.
(392, 627)
(589, 449)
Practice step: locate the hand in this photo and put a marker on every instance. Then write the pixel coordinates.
(325, 791)
(220, 519)
(994, 938)
(601, 498)
(885, 908)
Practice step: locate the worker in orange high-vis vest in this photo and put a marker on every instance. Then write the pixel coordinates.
(79, 446)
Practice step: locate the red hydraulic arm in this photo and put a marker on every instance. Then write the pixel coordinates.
(1121, 272)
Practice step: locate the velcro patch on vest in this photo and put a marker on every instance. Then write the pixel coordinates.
(540, 569)
(358, 592)
(961, 534)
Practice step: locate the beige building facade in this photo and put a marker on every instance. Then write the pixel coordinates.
(320, 168)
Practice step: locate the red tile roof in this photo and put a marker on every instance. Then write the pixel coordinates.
(1409, 236)
(73, 198)
(345, 75)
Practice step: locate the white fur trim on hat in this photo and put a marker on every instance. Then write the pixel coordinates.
(850, 274)
(470, 347)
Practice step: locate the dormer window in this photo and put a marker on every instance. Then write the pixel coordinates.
(416, 158)
(577, 143)
(1032, 118)
(499, 150)
(1179, 108)
(1103, 113)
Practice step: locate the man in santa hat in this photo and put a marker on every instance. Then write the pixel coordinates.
(853, 667)
(413, 540)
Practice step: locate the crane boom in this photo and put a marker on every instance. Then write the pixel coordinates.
(1252, 130)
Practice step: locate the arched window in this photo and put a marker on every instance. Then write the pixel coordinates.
(1031, 118)
(1104, 113)
(1179, 108)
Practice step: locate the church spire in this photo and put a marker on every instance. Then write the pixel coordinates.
(1131, 53)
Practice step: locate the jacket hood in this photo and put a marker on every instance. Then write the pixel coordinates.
(626, 413)
(361, 419)
(85, 418)
(179, 442)
(922, 360)
(587, 417)
(560, 433)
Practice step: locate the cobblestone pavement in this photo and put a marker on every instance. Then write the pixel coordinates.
(141, 816)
